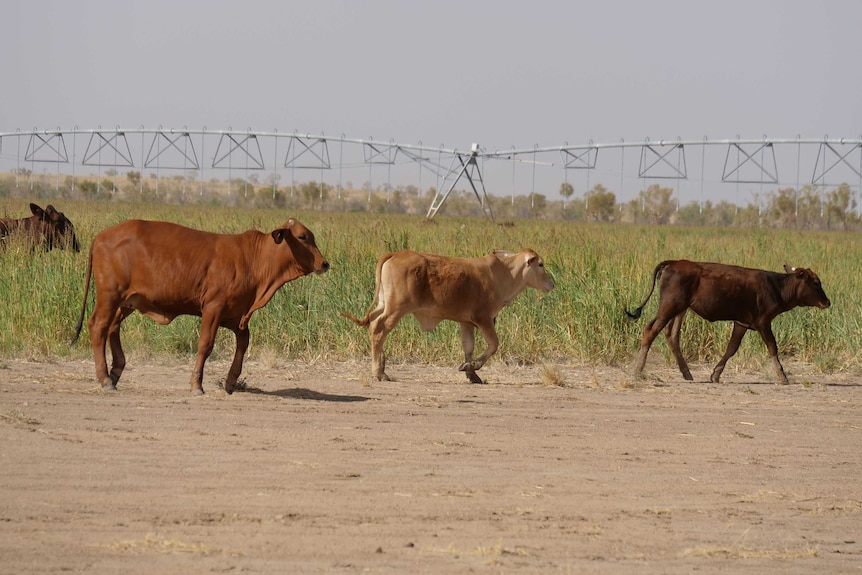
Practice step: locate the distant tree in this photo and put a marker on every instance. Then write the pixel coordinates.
(781, 207)
(838, 207)
(566, 190)
(721, 214)
(538, 203)
(690, 214)
(657, 203)
(601, 204)
(810, 205)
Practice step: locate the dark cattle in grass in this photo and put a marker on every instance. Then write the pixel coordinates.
(749, 298)
(470, 291)
(46, 228)
(164, 270)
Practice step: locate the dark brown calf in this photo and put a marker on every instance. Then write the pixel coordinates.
(47, 228)
(749, 298)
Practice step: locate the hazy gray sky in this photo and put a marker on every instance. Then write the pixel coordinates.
(444, 72)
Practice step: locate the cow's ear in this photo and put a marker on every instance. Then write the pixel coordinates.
(531, 259)
(800, 272)
(37, 211)
(278, 235)
(788, 269)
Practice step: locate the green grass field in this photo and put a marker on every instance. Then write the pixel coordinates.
(599, 270)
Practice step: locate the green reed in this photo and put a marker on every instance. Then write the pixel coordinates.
(599, 271)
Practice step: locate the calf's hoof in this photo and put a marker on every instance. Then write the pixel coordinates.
(109, 387)
(715, 377)
(383, 377)
(474, 377)
(197, 392)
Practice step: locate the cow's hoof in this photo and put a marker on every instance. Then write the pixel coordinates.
(469, 366)
(197, 392)
(383, 377)
(109, 387)
(474, 377)
(714, 378)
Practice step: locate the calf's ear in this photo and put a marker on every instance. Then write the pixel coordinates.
(278, 235)
(37, 211)
(789, 269)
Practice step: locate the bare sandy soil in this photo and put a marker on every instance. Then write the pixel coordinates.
(317, 469)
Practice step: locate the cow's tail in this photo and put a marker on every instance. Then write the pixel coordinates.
(655, 275)
(367, 319)
(80, 324)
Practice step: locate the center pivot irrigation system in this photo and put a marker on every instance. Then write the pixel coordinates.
(746, 161)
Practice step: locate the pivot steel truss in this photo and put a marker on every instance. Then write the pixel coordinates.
(654, 161)
(305, 152)
(837, 157)
(766, 171)
(463, 165)
(41, 146)
(745, 161)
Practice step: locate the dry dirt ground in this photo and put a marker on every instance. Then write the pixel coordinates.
(317, 469)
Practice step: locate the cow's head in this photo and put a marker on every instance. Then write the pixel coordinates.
(807, 287)
(55, 229)
(300, 240)
(535, 273)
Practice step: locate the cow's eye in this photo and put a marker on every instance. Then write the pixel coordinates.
(303, 237)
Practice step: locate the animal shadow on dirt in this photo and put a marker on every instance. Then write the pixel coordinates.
(303, 393)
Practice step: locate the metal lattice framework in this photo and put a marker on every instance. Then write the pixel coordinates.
(746, 161)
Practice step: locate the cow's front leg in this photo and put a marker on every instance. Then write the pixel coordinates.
(118, 357)
(772, 346)
(468, 342)
(206, 341)
(733, 345)
(672, 334)
(491, 345)
(242, 339)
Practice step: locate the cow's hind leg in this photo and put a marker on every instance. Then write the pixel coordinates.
(468, 342)
(206, 341)
(104, 315)
(242, 339)
(671, 332)
(378, 329)
(733, 345)
(651, 331)
(491, 345)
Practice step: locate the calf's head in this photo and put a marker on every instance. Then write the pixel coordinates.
(535, 273)
(807, 288)
(54, 227)
(300, 240)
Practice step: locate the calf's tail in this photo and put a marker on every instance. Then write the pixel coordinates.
(84, 304)
(655, 275)
(367, 319)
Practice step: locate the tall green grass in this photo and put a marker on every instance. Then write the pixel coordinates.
(599, 270)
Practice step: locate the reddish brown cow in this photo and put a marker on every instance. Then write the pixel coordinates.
(164, 270)
(47, 228)
(471, 291)
(749, 298)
